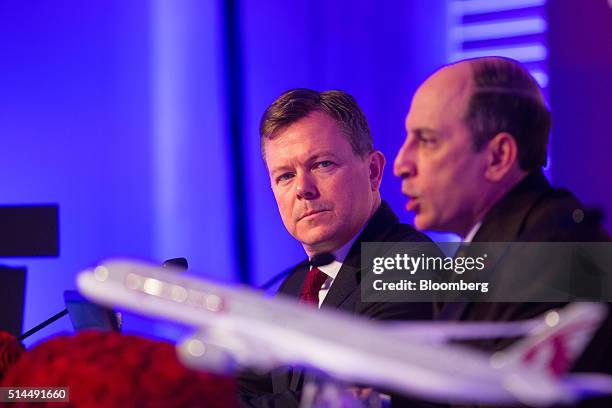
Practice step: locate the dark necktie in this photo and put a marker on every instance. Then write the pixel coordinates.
(312, 285)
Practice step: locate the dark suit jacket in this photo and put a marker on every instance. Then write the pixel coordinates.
(535, 212)
(282, 387)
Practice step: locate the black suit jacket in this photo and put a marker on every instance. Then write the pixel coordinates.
(283, 386)
(534, 211)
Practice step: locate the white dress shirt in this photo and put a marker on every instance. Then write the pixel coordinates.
(472, 233)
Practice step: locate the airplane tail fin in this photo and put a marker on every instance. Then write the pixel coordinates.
(555, 344)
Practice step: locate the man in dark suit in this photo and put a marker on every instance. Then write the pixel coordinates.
(477, 135)
(325, 176)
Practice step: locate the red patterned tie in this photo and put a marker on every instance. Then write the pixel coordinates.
(312, 285)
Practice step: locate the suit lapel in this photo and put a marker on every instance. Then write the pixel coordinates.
(346, 282)
(292, 286)
(349, 276)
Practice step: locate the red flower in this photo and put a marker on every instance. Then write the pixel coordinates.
(106, 369)
(10, 351)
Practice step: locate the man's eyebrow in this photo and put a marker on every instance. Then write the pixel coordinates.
(424, 129)
(279, 169)
(317, 155)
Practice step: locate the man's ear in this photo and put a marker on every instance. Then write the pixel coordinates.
(377, 166)
(502, 156)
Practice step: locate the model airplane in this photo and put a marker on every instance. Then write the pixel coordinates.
(238, 327)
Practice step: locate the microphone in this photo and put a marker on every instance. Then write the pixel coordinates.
(176, 263)
(322, 259)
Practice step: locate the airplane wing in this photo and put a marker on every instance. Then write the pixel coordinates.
(441, 332)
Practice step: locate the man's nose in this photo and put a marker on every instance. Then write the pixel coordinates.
(305, 187)
(404, 165)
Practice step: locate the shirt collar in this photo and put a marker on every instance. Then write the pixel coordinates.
(470, 235)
